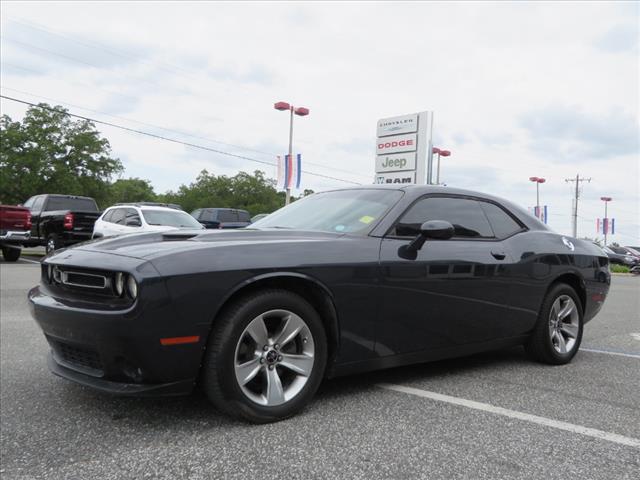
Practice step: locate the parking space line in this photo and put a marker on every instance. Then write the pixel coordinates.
(30, 261)
(609, 352)
(547, 422)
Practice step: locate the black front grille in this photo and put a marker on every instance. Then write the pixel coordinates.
(82, 358)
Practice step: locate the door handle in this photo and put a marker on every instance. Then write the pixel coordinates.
(498, 255)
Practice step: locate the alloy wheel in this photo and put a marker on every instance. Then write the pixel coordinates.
(274, 357)
(564, 324)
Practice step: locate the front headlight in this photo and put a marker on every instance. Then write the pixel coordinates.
(119, 283)
(132, 287)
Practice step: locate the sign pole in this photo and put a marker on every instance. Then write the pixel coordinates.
(287, 197)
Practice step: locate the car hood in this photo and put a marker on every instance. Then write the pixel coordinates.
(157, 244)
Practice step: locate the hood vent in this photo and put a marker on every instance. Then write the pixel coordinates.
(177, 236)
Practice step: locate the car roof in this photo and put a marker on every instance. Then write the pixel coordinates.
(62, 195)
(145, 207)
(222, 209)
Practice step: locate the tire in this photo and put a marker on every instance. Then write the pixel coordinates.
(53, 243)
(553, 342)
(11, 254)
(232, 342)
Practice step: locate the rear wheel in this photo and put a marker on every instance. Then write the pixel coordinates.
(11, 254)
(53, 243)
(558, 333)
(266, 357)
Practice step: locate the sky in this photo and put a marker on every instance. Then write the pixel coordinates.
(521, 89)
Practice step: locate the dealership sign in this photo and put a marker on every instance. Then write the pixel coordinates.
(397, 162)
(397, 143)
(398, 125)
(396, 177)
(403, 149)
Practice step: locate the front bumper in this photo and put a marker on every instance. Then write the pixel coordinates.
(182, 387)
(117, 349)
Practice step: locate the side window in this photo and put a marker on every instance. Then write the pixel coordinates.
(208, 216)
(227, 216)
(465, 215)
(132, 219)
(37, 204)
(118, 216)
(502, 223)
(243, 216)
(107, 216)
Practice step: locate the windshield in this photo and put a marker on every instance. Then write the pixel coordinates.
(170, 219)
(343, 211)
(608, 250)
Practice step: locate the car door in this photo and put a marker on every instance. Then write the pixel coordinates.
(131, 222)
(455, 292)
(117, 222)
(208, 218)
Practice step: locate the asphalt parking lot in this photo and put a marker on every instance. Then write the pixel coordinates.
(488, 416)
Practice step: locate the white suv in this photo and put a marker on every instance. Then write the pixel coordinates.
(122, 219)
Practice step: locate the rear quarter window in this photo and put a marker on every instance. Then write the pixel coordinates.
(502, 223)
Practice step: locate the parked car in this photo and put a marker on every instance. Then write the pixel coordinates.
(625, 251)
(620, 259)
(336, 283)
(122, 219)
(60, 220)
(220, 218)
(260, 216)
(15, 228)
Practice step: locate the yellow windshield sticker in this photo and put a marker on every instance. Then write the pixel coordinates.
(366, 219)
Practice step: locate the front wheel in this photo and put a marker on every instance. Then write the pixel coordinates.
(266, 357)
(558, 333)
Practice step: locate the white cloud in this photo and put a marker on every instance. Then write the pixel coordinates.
(498, 76)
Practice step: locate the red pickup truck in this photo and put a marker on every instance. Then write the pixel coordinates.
(15, 228)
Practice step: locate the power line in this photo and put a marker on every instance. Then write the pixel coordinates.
(178, 132)
(73, 59)
(173, 140)
(174, 69)
(95, 45)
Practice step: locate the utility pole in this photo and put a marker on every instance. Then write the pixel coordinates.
(578, 179)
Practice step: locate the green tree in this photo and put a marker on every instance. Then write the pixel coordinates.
(49, 152)
(254, 193)
(131, 190)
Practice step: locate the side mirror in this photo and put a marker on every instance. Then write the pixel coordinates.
(433, 229)
(437, 230)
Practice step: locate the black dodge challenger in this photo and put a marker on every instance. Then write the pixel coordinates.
(340, 282)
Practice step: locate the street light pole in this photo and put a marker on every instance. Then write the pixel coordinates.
(287, 197)
(444, 153)
(300, 111)
(538, 181)
(605, 227)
